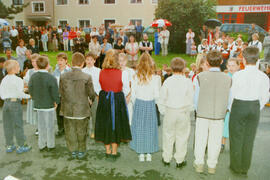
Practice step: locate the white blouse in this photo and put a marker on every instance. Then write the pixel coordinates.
(191, 36)
(132, 48)
(148, 91)
(95, 48)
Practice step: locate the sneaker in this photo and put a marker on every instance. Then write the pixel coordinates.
(211, 170)
(10, 149)
(141, 157)
(74, 154)
(149, 157)
(198, 168)
(22, 149)
(81, 155)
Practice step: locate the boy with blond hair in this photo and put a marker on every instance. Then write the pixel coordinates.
(44, 91)
(11, 91)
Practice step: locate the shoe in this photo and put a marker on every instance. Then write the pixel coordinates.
(43, 149)
(107, 155)
(74, 154)
(141, 157)
(36, 133)
(222, 148)
(165, 163)
(23, 149)
(10, 149)
(181, 165)
(211, 170)
(148, 157)
(198, 167)
(81, 155)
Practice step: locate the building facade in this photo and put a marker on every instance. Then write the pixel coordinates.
(81, 13)
(244, 11)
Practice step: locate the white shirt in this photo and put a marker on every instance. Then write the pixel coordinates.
(12, 87)
(177, 92)
(13, 32)
(257, 44)
(94, 73)
(146, 42)
(165, 33)
(29, 73)
(95, 48)
(146, 92)
(94, 33)
(250, 84)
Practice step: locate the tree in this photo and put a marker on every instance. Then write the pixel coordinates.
(7, 12)
(184, 14)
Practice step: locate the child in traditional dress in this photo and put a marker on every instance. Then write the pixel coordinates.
(31, 114)
(249, 94)
(94, 72)
(76, 89)
(144, 92)
(193, 70)
(123, 59)
(62, 67)
(112, 124)
(233, 66)
(176, 103)
(11, 91)
(44, 90)
(193, 49)
(212, 90)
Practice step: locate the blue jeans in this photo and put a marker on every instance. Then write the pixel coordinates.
(13, 122)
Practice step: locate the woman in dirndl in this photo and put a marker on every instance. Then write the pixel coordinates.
(189, 40)
(145, 89)
(112, 123)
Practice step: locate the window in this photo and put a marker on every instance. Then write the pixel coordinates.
(135, 1)
(82, 2)
(18, 23)
(227, 18)
(62, 23)
(109, 1)
(17, 2)
(84, 23)
(154, 1)
(108, 21)
(38, 7)
(134, 21)
(62, 2)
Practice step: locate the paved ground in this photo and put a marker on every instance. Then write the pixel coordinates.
(58, 165)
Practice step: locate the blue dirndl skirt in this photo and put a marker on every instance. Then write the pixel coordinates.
(144, 127)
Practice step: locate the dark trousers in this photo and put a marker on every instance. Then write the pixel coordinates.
(243, 124)
(76, 134)
(60, 119)
(13, 122)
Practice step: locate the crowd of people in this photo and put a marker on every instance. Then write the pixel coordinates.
(120, 98)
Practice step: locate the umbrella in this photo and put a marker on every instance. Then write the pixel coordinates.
(149, 29)
(212, 23)
(161, 23)
(3, 22)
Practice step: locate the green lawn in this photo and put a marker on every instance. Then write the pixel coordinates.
(158, 59)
